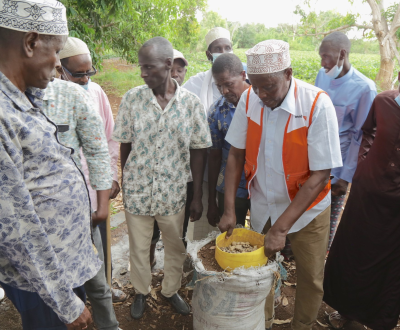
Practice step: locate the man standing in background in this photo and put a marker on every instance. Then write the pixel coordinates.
(352, 95)
(218, 42)
(81, 126)
(77, 67)
(230, 78)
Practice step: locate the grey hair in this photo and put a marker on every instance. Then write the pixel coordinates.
(338, 40)
(227, 62)
(162, 47)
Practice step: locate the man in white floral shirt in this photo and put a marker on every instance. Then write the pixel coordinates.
(164, 134)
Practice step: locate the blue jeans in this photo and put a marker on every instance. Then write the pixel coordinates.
(35, 314)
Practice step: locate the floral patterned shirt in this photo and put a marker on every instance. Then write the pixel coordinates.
(68, 103)
(45, 243)
(158, 166)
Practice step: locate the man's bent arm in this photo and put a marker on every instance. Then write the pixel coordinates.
(101, 213)
(233, 174)
(125, 150)
(276, 236)
(197, 164)
(214, 166)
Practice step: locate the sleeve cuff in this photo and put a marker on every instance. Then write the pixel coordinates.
(78, 310)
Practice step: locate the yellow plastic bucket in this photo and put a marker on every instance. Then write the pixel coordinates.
(230, 261)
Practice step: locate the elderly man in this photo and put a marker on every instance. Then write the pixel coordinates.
(363, 266)
(76, 66)
(46, 253)
(352, 95)
(218, 41)
(178, 72)
(230, 78)
(287, 132)
(163, 133)
(72, 109)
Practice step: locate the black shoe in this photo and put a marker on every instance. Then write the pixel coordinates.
(181, 306)
(138, 306)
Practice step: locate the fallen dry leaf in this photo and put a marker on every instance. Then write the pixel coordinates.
(153, 294)
(153, 326)
(285, 302)
(282, 321)
(212, 247)
(322, 324)
(173, 316)
(289, 284)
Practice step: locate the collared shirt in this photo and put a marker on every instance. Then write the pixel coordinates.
(352, 95)
(45, 243)
(269, 196)
(102, 105)
(219, 120)
(158, 166)
(67, 103)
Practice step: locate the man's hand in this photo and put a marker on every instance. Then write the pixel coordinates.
(339, 188)
(196, 209)
(274, 241)
(227, 224)
(213, 214)
(115, 189)
(102, 211)
(82, 322)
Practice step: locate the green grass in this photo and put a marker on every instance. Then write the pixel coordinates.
(305, 67)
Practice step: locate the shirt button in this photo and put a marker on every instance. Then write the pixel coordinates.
(160, 130)
(269, 141)
(391, 164)
(398, 149)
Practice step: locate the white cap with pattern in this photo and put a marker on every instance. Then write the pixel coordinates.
(217, 33)
(73, 47)
(41, 16)
(268, 56)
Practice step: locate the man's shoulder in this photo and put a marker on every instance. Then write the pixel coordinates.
(198, 76)
(184, 93)
(138, 91)
(61, 88)
(363, 81)
(302, 85)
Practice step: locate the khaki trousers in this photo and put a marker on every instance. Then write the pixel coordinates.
(140, 229)
(309, 247)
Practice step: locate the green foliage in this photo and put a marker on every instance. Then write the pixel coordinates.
(210, 20)
(124, 25)
(305, 64)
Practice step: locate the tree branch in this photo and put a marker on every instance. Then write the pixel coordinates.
(394, 26)
(365, 27)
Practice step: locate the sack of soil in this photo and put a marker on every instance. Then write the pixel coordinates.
(228, 300)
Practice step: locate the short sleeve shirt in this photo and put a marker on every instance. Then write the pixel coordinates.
(158, 166)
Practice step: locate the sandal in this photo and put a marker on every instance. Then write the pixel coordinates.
(336, 320)
(118, 296)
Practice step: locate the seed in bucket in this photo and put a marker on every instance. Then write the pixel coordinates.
(239, 247)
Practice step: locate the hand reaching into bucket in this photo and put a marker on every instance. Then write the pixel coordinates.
(227, 223)
(274, 241)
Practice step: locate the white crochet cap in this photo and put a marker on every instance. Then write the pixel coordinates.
(217, 33)
(178, 54)
(73, 47)
(41, 16)
(268, 56)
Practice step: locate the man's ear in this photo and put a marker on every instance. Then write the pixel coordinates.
(30, 43)
(209, 55)
(168, 63)
(288, 74)
(343, 54)
(243, 74)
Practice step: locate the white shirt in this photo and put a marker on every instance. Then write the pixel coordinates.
(195, 83)
(269, 196)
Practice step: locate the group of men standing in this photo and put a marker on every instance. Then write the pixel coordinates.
(286, 147)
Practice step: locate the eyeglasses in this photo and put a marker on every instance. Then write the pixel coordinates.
(81, 74)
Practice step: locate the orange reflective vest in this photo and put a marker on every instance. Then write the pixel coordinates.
(295, 146)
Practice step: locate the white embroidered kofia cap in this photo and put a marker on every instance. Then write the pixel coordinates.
(73, 47)
(41, 16)
(178, 54)
(268, 56)
(217, 33)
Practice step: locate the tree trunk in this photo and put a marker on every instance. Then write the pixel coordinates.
(385, 74)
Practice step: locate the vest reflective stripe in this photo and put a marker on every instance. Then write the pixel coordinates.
(294, 151)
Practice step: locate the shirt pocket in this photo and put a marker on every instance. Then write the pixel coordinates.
(340, 114)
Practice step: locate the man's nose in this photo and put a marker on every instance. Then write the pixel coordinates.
(58, 62)
(85, 79)
(143, 74)
(225, 90)
(174, 74)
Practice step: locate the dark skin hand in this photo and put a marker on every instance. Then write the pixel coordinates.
(101, 213)
(82, 322)
(339, 188)
(197, 164)
(115, 189)
(214, 165)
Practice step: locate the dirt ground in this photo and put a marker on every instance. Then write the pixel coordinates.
(159, 314)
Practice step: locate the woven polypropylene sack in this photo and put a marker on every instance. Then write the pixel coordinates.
(229, 300)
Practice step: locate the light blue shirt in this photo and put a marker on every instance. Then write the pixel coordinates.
(352, 95)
